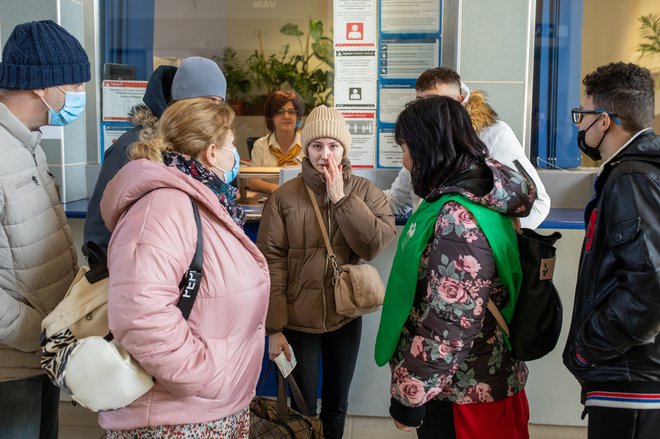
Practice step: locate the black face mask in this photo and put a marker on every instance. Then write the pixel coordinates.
(590, 152)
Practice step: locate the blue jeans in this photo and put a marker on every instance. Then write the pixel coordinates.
(28, 409)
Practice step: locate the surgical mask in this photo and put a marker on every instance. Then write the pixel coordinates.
(74, 105)
(592, 153)
(229, 176)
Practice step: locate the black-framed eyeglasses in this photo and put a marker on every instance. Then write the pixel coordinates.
(578, 114)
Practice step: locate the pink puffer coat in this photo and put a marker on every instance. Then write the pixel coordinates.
(205, 368)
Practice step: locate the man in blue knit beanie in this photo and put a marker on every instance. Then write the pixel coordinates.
(42, 76)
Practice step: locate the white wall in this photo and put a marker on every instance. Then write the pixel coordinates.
(494, 56)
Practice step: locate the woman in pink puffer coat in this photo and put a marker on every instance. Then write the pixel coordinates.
(205, 368)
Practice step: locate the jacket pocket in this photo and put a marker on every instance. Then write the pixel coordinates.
(26, 181)
(307, 310)
(624, 232)
(219, 351)
(622, 239)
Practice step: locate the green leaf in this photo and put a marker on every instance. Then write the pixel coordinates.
(291, 30)
(316, 30)
(649, 30)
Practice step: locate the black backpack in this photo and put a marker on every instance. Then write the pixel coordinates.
(536, 322)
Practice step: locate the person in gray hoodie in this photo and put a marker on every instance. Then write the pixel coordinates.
(42, 82)
(196, 77)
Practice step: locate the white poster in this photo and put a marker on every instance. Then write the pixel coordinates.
(389, 153)
(410, 16)
(362, 126)
(407, 58)
(392, 101)
(112, 132)
(119, 97)
(355, 23)
(355, 79)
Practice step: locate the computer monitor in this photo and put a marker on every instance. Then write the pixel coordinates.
(119, 71)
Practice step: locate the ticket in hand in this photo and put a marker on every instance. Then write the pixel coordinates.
(285, 365)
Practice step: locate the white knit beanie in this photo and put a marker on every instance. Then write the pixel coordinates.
(325, 122)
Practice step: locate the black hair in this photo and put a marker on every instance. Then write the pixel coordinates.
(440, 139)
(626, 90)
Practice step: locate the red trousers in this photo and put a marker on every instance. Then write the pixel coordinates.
(505, 419)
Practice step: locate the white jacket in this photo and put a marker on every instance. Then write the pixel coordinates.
(37, 257)
(502, 145)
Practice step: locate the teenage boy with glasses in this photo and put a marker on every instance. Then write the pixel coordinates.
(613, 347)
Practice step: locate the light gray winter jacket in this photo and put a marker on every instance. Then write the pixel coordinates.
(37, 257)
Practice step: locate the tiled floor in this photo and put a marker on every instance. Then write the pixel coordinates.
(78, 423)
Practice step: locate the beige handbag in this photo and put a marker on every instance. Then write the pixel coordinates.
(359, 288)
(78, 351)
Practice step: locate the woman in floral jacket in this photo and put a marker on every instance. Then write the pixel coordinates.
(452, 374)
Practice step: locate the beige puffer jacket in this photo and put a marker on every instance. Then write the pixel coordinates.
(37, 257)
(360, 225)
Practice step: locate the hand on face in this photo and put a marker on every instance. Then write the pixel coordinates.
(334, 181)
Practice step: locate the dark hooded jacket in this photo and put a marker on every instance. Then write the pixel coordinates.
(144, 117)
(613, 342)
(450, 347)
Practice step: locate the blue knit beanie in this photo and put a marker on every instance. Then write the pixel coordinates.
(42, 54)
(198, 77)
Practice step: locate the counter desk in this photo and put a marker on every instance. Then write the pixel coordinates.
(553, 393)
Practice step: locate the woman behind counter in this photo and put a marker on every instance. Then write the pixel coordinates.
(281, 146)
(452, 375)
(206, 367)
(302, 309)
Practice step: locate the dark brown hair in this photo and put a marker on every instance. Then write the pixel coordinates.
(277, 100)
(439, 75)
(625, 90)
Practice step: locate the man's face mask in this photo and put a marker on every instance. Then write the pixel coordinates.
(74, 105)
(592, 152)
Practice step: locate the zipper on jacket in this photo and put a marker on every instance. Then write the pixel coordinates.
(325, 271)
(34, 157)
(27, 181)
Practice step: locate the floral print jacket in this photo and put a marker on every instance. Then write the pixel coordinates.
(451, 347)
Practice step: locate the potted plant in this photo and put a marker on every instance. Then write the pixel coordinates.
(238, 81)
(308, 71)
(649, 30)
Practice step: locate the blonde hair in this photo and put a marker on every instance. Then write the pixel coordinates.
(187, 126)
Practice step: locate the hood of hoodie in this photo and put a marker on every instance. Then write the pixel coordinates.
(139, 177)
(481, 113)
(494, 186)
(157, 96)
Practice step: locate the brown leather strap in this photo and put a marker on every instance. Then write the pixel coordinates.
(296, 394)
(319, 217)
(498, 316)
(516, 224)
(491, 305)
(282, 406)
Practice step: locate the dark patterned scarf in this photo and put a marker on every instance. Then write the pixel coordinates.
(226, 193)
